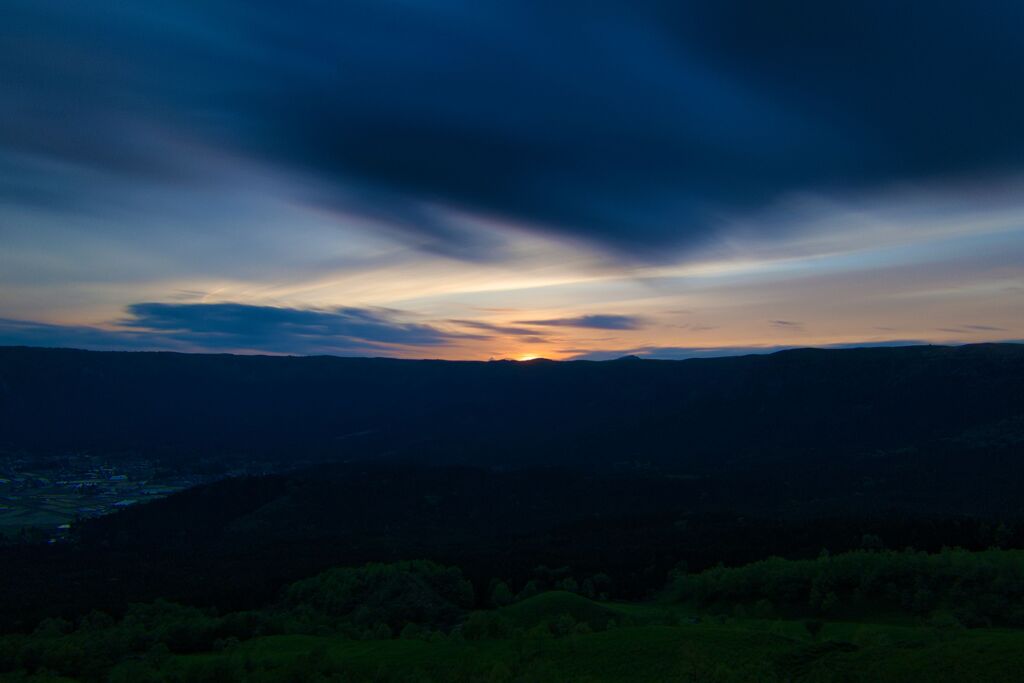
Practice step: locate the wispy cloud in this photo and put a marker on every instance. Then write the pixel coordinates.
(497, 329)
(967, 329)
(242, 328)
(598, 322)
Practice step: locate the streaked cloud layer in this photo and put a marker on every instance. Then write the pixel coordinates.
(564, 179)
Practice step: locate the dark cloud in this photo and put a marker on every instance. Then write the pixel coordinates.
(967, 329)
(599, 322)
(266, 327)
(687, 352)
(32, 333)
(238, 327)
(792, 324)
(678, 352)
(497, 329)
(631, 125)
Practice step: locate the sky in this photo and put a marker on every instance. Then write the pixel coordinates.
(538, 178)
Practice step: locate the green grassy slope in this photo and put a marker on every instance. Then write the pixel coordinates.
(747, 651)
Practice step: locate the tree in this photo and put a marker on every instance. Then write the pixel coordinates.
(814, 627)
(871, 542)
(529, 590)
(602, 585)
(501, 595)
(412, 631)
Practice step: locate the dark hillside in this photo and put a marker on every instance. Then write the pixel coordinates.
(727, 411)
(234, 543)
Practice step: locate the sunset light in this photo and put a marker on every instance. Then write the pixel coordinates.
(628, 341)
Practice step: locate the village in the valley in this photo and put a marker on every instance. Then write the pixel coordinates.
(41, 497)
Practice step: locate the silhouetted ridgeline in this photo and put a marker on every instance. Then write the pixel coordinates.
(726, 411)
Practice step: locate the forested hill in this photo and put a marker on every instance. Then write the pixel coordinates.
(792, 404)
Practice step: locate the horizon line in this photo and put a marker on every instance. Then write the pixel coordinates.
(700, 353)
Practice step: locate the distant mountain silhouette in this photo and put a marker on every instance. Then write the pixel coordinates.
(692, 414)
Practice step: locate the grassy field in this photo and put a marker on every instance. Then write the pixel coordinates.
(638, 646)
(640, 653)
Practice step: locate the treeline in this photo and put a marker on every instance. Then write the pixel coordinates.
(951, 587)
(372, 602)
(415, 600)
(428, 602)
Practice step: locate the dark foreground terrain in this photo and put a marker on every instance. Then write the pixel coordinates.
(578, 514)
(864, 616)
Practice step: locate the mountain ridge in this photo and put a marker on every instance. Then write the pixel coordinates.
(684, 413)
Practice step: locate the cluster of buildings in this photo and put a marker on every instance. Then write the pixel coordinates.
(46, 494)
